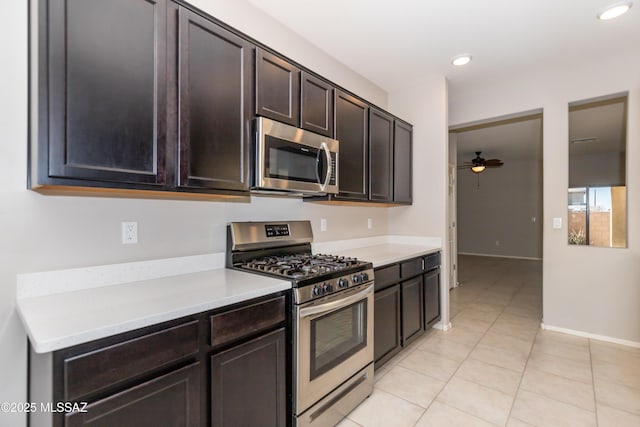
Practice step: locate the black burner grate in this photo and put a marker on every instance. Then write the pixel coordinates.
(300, 266)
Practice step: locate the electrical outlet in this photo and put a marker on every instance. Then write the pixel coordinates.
(370, 223)
(129, 233)
(323, 224)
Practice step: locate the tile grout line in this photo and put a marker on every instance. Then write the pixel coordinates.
(513, 401)
(593, 382)
(460, 364)
(467, 357)
(426, 337)
(522, 376)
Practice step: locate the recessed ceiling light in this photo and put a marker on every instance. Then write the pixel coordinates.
(461, 60)
(614, 11)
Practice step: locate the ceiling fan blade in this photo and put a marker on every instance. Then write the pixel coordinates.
(494, 165)
(492, 162)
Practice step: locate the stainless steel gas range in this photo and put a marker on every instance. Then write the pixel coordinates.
(332, 315)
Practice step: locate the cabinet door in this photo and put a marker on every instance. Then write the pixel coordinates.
(278, 88)
(215, 105)
(104, 73)
(172, 399)
(316, 107)
(352, 132)
(432, 297)
(412, 309)
(380, 156)
(386, 328)
(248, 383)
(402, 172)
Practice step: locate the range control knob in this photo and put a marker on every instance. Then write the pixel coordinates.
(327, 288)
(356, 278)
(365, 277)
(343, 283)
(316, 291)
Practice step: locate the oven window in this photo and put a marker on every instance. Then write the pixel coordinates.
(290, 161)
(337, 336)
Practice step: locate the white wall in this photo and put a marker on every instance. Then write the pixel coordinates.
(41, 233)
(424, 103)
(587, 289)
(501, 210)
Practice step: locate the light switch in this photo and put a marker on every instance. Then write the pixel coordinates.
(557, 223)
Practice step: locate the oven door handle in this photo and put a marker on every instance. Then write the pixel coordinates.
(334, 305)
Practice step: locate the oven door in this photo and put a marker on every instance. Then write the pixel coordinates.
(290, 159)
(334, 340)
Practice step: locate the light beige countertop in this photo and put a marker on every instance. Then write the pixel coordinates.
(63, 308)
(68, 314)
(381, 250)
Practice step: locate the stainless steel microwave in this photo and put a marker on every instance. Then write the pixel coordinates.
(289, 159)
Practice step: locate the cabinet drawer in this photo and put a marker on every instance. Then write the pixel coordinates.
(95, 371)
(169, 400)
(386, 276)
(432, 261)
(232, 325)
(411, 268)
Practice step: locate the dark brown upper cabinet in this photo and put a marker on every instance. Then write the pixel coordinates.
(352, 132)
(316, 105)
(215, 105)
(402, 169)
(102, 93)
(380, 156)
(278, 88)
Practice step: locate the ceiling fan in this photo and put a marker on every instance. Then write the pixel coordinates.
(478, 164)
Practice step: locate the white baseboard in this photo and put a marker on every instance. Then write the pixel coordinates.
(605, 338)
(501, 256)
(442, 327)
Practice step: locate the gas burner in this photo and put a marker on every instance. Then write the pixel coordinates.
(301, 265)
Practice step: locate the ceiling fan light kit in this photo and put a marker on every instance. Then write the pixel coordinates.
(478, 164)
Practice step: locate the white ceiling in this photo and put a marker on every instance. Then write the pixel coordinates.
(394, 41)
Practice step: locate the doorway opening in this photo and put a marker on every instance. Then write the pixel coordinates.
(495, 209)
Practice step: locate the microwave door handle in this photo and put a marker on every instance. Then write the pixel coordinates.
(334, 305)
(327, 153)
(318, 163)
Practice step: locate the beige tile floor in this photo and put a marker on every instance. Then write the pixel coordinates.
(496, 367)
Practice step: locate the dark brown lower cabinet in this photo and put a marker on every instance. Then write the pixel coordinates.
(224, 367)
(431, 297)
(412, 309)
(407, 303)
(387, 337)
(248, 383)
(172, 399)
